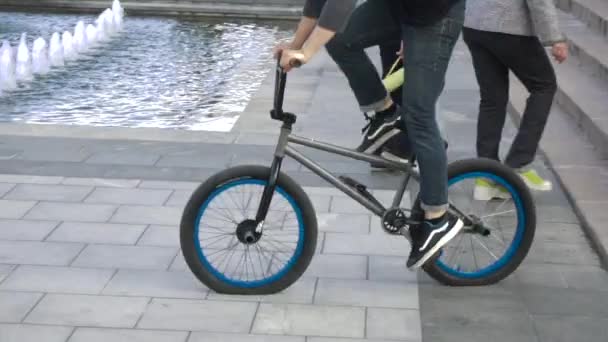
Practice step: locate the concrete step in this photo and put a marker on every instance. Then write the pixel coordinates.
(589, 47)
(261, 9)
(594, 13)
(578, 167)
(584, 98)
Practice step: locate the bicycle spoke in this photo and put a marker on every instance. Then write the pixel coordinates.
(485, 247)
(498, 214)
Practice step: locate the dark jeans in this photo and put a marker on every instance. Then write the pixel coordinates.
(427, 53)
(371, 24)
(494, 54)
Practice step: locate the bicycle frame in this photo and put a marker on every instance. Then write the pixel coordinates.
(283, 148)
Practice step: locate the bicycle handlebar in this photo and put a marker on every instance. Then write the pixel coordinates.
(279, 88)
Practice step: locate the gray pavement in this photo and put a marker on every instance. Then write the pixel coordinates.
(89, 244)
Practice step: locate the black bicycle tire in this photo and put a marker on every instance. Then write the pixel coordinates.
(199, 196)
(500, 170)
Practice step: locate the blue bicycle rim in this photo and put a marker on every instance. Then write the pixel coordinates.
(516, 242)
(261, 282)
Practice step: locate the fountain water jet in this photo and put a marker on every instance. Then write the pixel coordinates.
(23, 71)
(7, 67)
(102, 28)
(119, 13)
(91, 35)
(40, 60)
(80, 37)
(56, 51)
(69, 54)
(110, 23)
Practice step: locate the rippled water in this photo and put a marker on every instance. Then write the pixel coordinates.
(160, 72)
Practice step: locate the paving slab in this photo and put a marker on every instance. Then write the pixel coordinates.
(5, 270)
(33, 333)
(367, 293)
(163, 236)
(198, 336)
(38, 253)
(15, 209)
(211, 316)
(132, 257)
(338, 266)
(358, 244)
(16, 305)
(79, 212)
(51, 279)
(43, 192)
(147, 215)
(571, 328)
(393, 324)
(26, 230)
(90, 311)
(312, 320)
(97, 233)
(163, 284)
(128, 196)
(102, 182)
(127, 335)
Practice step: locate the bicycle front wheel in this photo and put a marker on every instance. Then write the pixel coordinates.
(500, 220)
(222, 245)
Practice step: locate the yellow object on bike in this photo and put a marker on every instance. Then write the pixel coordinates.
(394, 79)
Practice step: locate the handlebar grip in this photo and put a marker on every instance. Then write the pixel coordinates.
(295, 63)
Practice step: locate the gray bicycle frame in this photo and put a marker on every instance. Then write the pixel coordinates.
(283, 149)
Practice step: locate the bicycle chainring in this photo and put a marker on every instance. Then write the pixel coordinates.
(394, 220)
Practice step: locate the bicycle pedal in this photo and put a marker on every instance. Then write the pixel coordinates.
(361, 188)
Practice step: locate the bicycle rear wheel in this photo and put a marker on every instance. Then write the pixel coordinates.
(498, 231)
(220, 242)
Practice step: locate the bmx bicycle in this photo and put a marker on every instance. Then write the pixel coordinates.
(252, 229)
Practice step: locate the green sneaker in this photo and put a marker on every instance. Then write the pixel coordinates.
(486, 190)
(534, 181)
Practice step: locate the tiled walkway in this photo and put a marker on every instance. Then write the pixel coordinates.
(99, 260)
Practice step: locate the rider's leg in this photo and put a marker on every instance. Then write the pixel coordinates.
(426, 57)
(371, 24)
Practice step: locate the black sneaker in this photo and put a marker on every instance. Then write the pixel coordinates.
(428, 238)
(378, 131)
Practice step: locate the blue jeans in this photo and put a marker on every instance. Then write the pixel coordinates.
(427, 54)
(426, 57)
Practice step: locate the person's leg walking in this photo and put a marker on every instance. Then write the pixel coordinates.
(493, 80)
(427, 53)
(528, 60)
(537, 74)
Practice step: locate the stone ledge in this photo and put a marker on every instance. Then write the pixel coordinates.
(259, 10)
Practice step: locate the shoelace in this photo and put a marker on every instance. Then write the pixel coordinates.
(369, 120)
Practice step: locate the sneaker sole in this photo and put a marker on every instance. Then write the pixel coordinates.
(547, 187)
(381, 141)
(386, 124)
(447, 238)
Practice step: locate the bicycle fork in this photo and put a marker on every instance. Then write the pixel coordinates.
(275, 169)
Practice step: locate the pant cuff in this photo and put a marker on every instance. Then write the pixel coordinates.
(434, 208)
(376, 106)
